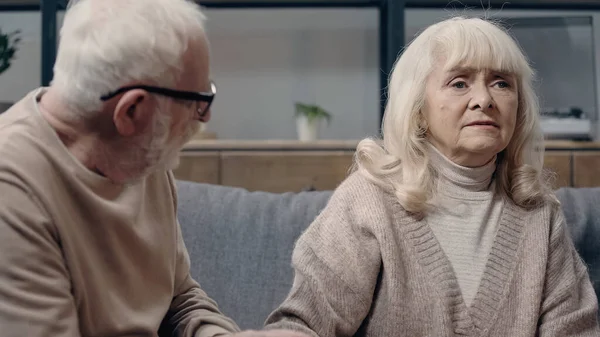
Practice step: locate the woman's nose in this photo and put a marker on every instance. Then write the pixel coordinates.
(481, 98)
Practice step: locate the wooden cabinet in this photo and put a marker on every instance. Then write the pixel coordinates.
(586, 169)
(558, 165)
(285, 171)
(288, 166)
(200, 167)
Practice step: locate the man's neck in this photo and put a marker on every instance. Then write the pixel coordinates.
(86, 145)
(93, 149)
(71, 131)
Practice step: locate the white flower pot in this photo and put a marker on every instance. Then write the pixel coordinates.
(307, 130)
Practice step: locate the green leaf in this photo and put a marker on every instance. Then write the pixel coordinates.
(3, 66)
(8, 48)
(311, 112)
(3, 41)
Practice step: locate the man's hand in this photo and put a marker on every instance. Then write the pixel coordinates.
(269, 333)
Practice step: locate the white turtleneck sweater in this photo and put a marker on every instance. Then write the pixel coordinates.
(466, 218)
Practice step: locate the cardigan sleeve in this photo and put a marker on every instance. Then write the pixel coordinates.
(570, 305)
(336, 263)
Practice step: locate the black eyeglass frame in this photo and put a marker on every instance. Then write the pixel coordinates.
(195, 96)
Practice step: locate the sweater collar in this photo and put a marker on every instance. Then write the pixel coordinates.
(459, 178)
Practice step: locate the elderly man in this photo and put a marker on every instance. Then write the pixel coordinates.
(89, 241)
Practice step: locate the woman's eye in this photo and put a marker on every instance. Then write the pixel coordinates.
(459, 85)
(502, 84)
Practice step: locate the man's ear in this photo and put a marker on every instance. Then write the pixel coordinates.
(132, 113)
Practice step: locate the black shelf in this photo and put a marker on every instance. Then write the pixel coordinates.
(49, 38)
(35, 5)
(290, 4)
(19, 8)
(26, 5)
(511, 4)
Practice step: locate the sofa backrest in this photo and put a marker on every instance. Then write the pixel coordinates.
(240, 242)
(581, 207)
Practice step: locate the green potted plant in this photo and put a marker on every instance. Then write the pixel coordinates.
(309, 118)
(9, 43)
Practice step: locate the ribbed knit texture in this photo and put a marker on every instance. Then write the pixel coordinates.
(367, 267)
(466, 218)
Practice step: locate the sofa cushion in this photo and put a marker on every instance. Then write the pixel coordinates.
(581, 207)
(240, 244)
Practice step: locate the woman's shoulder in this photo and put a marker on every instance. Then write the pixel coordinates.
(358, 187)
(548, 208)
(547, 216)
(361, 199)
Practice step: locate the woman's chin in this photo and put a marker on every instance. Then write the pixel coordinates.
(484, 145)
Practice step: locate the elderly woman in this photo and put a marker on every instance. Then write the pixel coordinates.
(447, 227)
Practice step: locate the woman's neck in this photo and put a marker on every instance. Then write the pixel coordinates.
(461, 178)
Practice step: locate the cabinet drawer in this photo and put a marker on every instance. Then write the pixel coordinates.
(586, 167)
(200, 167)
(285, 171)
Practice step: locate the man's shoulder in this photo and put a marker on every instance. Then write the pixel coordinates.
(21, 158)
(19, 132)
(26, 156)
(19, 113)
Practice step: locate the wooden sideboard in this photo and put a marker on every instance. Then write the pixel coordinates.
(292, 166)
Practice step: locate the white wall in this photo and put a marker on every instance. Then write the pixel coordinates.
(265, 60)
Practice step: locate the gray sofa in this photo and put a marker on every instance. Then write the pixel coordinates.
(240, 242)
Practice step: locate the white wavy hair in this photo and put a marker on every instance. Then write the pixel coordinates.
(105, 44)
(400, 160)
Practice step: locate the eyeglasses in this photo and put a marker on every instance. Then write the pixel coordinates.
(203, 99)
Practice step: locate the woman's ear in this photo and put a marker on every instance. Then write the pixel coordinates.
(132, 113)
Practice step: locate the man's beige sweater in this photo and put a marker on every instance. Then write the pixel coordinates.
(82, 256)
(367, 267)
